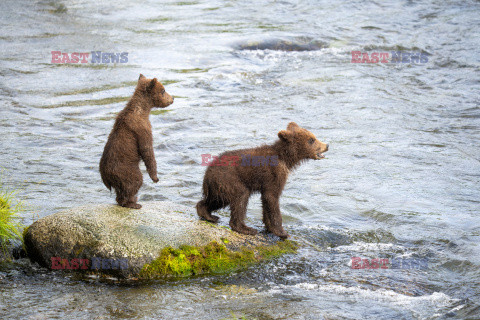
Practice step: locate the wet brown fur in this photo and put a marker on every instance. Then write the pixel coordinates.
(233, 185)
(130, 141)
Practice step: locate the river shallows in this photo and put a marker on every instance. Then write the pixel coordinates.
(400, 180)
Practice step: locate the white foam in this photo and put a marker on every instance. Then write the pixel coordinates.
(365, 246)
(436, 299)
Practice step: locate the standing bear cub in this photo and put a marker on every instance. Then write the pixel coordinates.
(130, 141)
(233, 176)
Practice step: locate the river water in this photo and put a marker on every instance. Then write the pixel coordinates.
(400, 182)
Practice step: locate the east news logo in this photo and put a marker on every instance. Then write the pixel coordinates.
(385, 57)
(96, 57)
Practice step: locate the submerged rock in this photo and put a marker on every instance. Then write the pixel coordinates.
(293, 44)
(159, 240)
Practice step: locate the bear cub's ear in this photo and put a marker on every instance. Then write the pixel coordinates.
(292, 126)
(285, 135)
(141, 77)
(152, 84)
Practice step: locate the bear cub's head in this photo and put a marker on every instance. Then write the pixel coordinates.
(304, 143)
(155, 92)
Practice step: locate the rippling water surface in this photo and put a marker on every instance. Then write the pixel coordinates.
(401, 179)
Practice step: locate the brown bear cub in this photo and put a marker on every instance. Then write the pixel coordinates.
(131, 140)
(233, 176)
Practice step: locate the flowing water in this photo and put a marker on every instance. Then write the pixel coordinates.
(401, 179)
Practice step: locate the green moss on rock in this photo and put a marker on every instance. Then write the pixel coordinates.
(210, 259)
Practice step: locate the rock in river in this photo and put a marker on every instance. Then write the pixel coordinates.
(160, 240)
(288, 44)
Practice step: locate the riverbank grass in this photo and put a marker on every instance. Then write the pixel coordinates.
(10, 225)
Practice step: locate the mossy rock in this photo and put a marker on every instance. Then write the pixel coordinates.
(212, 258)
(160, 240)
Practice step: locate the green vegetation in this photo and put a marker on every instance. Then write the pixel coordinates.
(212, 258)
(234, 317)
(94, 102)
(157, 112)
(105, 87)
(9, 221)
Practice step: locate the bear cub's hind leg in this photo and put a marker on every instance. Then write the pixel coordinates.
(132, 203)
(205, 212)
(238, 209)
(127, 201)
(128, 188)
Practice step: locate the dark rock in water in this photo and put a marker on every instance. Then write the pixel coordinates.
(19, 253)
(295, 44)
(161, 239)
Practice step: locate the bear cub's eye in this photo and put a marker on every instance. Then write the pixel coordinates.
(311, 140)
(163, 91)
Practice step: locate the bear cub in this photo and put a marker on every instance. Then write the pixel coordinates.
(231, 178)
(131, 140)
